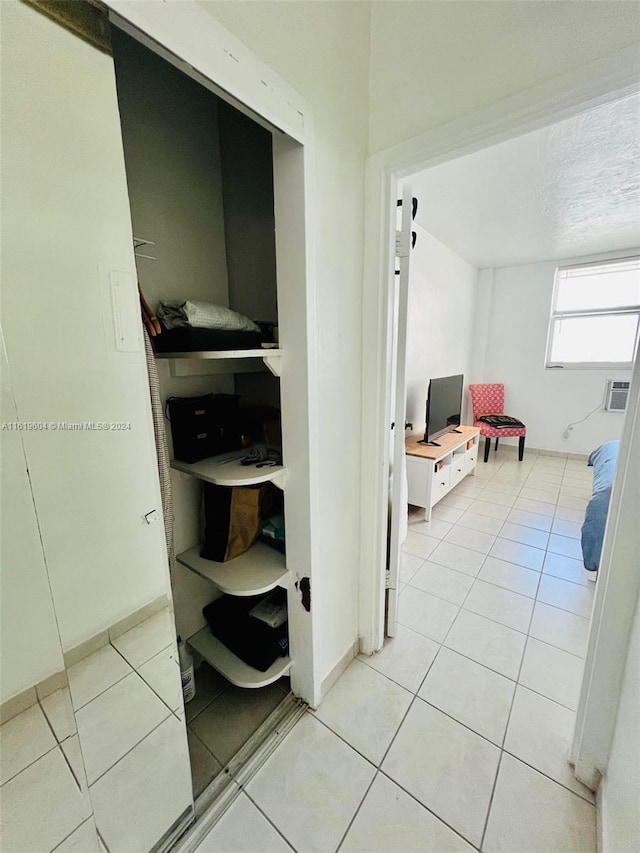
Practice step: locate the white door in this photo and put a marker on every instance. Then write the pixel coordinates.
(398, 496)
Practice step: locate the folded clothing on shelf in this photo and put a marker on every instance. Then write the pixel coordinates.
(252, 640)
(187, 339)
(204, 315)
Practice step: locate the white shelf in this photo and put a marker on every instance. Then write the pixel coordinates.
(223, 361)
(233, 669)
(273, 352)
(221, 472)
(258, 570)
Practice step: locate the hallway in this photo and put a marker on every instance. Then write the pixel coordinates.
(455, 736)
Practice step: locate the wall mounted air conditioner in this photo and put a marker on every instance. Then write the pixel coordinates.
(616, 396)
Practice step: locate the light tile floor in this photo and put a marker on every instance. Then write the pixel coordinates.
(455, 736)
(104, 759)
(221, 718)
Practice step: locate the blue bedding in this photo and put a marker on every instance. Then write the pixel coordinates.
(603, 459)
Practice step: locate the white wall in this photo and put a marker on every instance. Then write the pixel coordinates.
(322, 50)
(441, 319)
(515, 343)
(66, 224)
(432, 62)
(172, 160)
(620, 786)
(29, 643)
(173, 163)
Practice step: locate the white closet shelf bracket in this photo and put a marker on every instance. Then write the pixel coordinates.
(273, 362)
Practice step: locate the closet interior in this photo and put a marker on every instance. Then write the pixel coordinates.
(200, 184)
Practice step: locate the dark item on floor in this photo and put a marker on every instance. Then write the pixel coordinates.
(203, 426)
(234, 518)
(250, 639)
(603, 460)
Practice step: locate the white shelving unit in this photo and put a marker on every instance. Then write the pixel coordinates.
(233, 669)
(433, 470)
(258, 570)
(222, 472)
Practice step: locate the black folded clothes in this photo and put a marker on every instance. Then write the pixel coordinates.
(255, 642)
(501, 422)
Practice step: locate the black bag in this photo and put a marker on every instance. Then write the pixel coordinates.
(234, 517)
(203, 426)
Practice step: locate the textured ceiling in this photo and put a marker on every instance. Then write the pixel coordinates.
(565, 191)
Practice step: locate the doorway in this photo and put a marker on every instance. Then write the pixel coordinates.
(548, 475)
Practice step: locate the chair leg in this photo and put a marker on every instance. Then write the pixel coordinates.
(521, 448)
(487, 448)
(496, 447)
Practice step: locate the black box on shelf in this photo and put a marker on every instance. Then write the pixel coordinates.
(203, 426)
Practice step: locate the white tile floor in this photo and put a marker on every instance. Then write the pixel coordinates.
(455, 736)
(124, 773)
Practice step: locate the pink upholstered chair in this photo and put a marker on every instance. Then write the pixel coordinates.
(489, 400)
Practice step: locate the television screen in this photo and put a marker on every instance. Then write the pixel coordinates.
(444, 405)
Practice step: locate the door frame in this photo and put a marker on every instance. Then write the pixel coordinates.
(196, 43)
(593, 84)
(567, 95)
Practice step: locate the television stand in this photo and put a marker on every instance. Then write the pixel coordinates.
(432, 471)
(429, 443)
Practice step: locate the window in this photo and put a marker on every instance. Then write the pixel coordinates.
(595, 316)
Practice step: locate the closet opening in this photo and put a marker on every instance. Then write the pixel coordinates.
(200, 177)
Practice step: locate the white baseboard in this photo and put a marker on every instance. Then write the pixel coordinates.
(329, 680)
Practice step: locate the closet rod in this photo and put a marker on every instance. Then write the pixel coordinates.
(137, 243)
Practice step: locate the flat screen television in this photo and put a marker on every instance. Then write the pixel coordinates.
(444, 405)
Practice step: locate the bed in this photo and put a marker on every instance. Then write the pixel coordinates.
(603, 460)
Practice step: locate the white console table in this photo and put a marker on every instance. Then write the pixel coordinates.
(432, 471)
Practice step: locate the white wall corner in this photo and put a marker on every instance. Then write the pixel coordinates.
(482, 328)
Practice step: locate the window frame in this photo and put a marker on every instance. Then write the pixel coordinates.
(633, 310)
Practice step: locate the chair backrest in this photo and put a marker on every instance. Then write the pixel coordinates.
(487, 399)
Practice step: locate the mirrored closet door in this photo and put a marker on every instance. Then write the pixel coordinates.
(93, 736)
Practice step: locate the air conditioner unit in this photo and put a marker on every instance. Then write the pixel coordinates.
(616, 396)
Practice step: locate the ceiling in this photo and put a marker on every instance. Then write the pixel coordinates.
(565, 191)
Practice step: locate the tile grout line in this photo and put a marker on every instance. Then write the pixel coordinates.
(493, 791)
(426, 808)
(492, 619)
(31, 763)
(102, 692)
(75, 829)
(546, 775)
(243, 790)
(506, 728)
(205, 747)
(129, 751)
(355, 814)
(101, 839)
